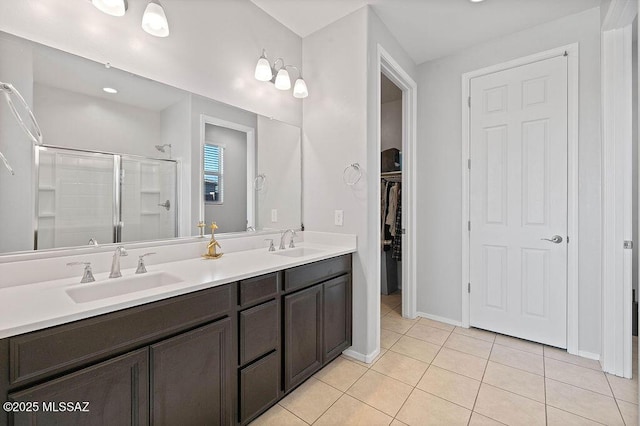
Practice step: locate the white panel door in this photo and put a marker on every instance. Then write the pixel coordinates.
(518, 198)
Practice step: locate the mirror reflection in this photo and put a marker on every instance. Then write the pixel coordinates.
(125, 158)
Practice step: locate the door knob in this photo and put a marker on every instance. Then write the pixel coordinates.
(556, 239)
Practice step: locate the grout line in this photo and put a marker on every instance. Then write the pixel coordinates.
(285, 409)
(614, 398)
(578, 415)
(481, 381)
(425, 371)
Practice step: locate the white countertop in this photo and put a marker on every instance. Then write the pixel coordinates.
(31, 307)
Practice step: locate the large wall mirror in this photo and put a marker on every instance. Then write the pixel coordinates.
(125, 158)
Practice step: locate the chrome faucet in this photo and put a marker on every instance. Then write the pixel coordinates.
(115, 265)
(284, 234)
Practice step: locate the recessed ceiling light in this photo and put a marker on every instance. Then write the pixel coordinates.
(110, 90)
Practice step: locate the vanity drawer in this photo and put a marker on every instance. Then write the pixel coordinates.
(57, 349)
(259, 331)
(259, 288)
(259, 386)
(306, 275)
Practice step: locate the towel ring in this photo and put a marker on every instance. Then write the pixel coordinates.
(352, 174)
(9, 90)
(259, 181)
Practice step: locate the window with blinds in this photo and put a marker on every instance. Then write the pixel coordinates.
(213, 173)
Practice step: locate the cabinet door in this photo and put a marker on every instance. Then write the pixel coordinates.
(191, 377)
(336, 317)
(303, 335)
(117, 392)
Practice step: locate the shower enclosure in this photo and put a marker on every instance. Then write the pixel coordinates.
(108, 198)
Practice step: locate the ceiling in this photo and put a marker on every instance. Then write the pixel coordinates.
(429, 29)
(55, 68)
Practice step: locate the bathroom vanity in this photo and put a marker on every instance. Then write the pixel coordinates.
(220, 354)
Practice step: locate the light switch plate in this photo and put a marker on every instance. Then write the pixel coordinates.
(274, 215)
(339, 217)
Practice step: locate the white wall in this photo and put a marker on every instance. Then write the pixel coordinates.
(391, 120)
(74, 120)
(212, 49)
(439, 175)
(341, 127)
(335, 135)
(231, 215)
(278, 153)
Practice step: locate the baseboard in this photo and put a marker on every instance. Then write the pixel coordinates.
(440, 319)
(362, 357)
(589, 355)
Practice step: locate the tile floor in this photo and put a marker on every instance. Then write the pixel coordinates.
(431, 373)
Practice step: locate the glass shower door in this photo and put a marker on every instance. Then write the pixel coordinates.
(76, 198)
(148, 199)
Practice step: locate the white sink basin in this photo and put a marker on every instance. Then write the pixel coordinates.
(298, 252)
(118, 286)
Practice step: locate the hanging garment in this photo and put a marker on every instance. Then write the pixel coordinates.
(397, 240)
(393, 206)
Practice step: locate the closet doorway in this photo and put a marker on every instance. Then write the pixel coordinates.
(396, 246)
(391, 196)
(398, 308)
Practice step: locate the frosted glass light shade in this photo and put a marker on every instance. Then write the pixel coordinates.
(154, 20)
(263, 70)
(300, 89)
(283, 82)
(111, 7)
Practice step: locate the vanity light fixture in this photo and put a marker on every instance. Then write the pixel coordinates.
(283, 82)
(111, 7)
(154, 20)
(110, 90)
(266, 72)
(475, 1)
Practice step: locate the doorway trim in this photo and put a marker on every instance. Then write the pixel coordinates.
(251, 162)
(617, 194)
(572, 50)
(392, 69)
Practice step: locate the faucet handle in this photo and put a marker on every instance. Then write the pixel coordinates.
(87, 276)
(293, 235)
(271, 246)
(122, 250)
(142, 269)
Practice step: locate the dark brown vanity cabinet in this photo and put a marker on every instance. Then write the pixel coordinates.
(190, 377)
(259, 354)
(317, 319)
(165, 363)
(116, 390)
(302, 335)
(220, 356)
